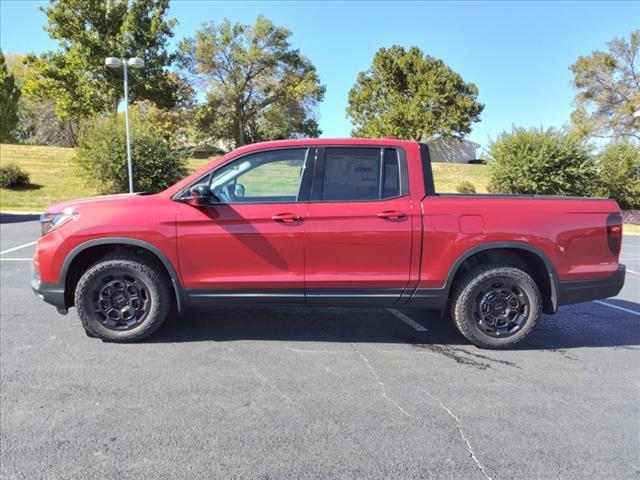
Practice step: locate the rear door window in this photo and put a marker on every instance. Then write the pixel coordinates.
(360, 174)
(351, 174)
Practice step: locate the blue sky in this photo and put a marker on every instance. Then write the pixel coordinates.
(517, 53)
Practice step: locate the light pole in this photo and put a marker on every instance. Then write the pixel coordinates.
(133, 62)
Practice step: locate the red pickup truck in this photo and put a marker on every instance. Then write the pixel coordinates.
(352, 222)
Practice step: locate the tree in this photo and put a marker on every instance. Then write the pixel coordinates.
(9, 99)
(537, 161)
(258, 86)
(608, 85)
(412, 96)
(619, 165)
(39, 125)
(75, 76)
(37, 121)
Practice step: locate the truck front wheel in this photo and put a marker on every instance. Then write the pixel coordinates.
(496, 306)
(123, 298)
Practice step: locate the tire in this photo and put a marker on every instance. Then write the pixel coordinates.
(496, 306)
(123, 298)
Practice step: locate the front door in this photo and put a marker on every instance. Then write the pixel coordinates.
(248, 244)
(359, 227)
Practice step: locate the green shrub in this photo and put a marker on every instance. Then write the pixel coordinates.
(12, 176)
(546, 162)
(465, 187)
(102, 156)
(619, 177)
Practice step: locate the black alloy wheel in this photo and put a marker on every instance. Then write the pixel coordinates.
(501, 308)
(122, 300)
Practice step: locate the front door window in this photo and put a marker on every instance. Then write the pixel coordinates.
(264, 177)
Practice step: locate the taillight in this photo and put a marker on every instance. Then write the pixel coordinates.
(614, 233)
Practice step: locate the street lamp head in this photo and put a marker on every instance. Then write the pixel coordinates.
(113, 62)
(135, 62)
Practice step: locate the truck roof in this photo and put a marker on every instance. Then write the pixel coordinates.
(391, 141)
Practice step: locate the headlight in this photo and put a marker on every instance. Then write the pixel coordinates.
(51, 221)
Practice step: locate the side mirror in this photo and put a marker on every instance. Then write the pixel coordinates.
(238, 190)
(199, 195)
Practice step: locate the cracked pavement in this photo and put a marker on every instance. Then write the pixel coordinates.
(306, 393)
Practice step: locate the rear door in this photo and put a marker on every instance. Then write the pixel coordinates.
(358, 228)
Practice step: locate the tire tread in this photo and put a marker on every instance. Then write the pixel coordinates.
(461, 297)
(137, 263)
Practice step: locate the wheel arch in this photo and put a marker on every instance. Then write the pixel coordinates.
(524, 255)
(84, 253)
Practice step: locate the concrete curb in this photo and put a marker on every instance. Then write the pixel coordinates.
(16, 212)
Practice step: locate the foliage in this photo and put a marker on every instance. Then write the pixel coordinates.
(75, 76)
(9, 99)
(465, 186)
(102, 156)
(37, 121)
(168, 123)
(258, 86)
(12, 176)
(412, 96)
(608, 85)
(538, 161)
(619, 177)
(173, 125)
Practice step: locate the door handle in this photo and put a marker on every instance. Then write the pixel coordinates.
(286, 218)
(392, 215)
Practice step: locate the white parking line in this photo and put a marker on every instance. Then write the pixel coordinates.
(610, 305)
(17, 248)
(633, 271)
(15, 259)
(407, 319)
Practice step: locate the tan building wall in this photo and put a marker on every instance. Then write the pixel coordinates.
(452, 150)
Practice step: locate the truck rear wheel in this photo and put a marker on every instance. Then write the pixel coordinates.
(496, 306)
(123, 298)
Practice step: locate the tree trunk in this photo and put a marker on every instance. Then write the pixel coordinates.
(73, 135)
(241, 139)
(116, 102)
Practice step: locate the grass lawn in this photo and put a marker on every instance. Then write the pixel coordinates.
(628, 228)
(53, 178)
(448, 175)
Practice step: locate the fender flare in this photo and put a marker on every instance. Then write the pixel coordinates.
(550, 268)
(181, 297)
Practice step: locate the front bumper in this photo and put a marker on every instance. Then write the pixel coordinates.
(586, 290)
(52, 293)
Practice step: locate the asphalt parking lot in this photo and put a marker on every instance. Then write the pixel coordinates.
(276, 393)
